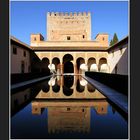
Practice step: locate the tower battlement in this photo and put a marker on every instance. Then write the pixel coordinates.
(59, 14)
(72, 26)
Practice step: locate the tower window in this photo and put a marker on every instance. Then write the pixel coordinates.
(103, 38)
(83, 36)
(68, 37)
(68, 109)
(35, 39)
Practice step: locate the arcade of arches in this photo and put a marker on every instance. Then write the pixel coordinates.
(73, 62)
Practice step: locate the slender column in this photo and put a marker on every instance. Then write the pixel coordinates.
(75, 69)
(58, 69)
(86, 61)
(61, 91)
(50, 59)
(85, 91)
(62, 80)
(61, 66)
(97, 63)
(74, 82)
(51, 91)
(74, 63)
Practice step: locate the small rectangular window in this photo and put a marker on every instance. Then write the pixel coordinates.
(22, 66)
(68, 37)
(68, 109)
(14, 50)
(83, 36)
(24, 53)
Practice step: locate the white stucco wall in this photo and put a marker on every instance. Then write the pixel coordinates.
(122, 66)
(119, 59)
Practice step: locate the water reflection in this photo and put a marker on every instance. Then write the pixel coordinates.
(54, 82)
(69, 87)
(79, 87)
(20, 99)
(69, 116)
(36, 115)
(45, 87)
(91, 88)
(60, 87)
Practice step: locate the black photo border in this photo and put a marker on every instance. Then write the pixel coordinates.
(134, 69)
(4, 70)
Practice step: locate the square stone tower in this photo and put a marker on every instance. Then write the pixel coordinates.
(68, 26)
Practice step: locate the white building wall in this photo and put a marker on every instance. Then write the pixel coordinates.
(119, 59)
(122, 66)
(16, 60)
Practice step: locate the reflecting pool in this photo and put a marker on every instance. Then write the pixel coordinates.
(65, 107)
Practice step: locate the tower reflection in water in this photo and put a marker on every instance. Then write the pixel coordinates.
(69, 116)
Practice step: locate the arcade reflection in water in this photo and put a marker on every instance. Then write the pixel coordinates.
(60, 87)
(68, 87)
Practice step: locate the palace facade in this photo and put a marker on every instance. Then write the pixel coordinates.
(70, 49)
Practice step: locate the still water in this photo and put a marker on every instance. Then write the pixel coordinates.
(65, 107)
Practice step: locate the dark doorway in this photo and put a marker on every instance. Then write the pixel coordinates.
(56, 87)
(68, 67)
(80, 61)
(45, 88)
(91, 88)
(68, 83)
(44, 65)
(79, 87)
(116, 69)
(22, 67)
